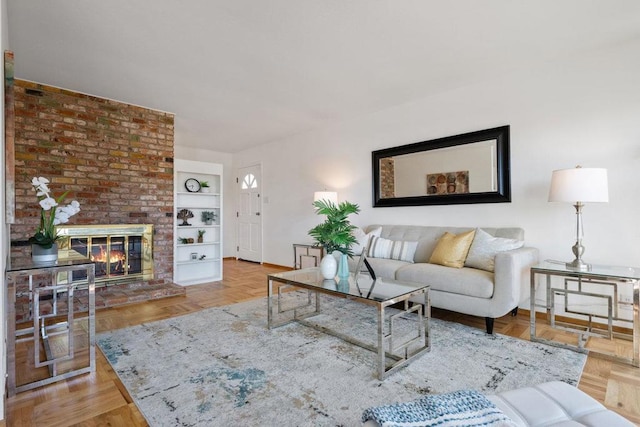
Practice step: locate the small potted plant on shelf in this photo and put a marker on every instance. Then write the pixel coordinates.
(201, 235)
(208, 217)
(204, 186)
(334, 234)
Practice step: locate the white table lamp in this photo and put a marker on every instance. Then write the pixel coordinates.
(329, 196)
(578, 186)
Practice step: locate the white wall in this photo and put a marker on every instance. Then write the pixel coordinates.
(580, 110)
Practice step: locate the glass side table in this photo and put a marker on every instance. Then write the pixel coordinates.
(307, 255)
(52, 341)
(597, 305)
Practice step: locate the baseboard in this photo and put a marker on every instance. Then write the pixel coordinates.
(266, 264)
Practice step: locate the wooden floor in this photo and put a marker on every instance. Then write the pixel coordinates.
(99, 399)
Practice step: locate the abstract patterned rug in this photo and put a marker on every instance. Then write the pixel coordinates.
(223, 367)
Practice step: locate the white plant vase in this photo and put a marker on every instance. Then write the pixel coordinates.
(328, 266)
(39, 255)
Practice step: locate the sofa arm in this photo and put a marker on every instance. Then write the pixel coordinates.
(511, 271)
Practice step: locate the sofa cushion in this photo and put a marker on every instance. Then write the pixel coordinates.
(452, 249)
(362, 239)
(464, 281)
(427, 236)
(392, 249)
(555, 404)
(485, 247)
(385, 268)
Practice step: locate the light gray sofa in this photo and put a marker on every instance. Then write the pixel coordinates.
(464, 290)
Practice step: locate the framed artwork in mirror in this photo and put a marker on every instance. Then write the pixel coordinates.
(468, 168)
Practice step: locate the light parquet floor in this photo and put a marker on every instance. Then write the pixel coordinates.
(99, 399)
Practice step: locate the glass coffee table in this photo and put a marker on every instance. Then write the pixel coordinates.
(393, 351)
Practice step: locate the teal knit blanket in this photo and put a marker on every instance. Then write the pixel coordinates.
(459, 408)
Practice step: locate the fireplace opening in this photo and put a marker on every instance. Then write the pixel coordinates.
(120, 252)
(114, 257)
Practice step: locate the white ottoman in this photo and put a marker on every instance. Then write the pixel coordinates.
(554, 404)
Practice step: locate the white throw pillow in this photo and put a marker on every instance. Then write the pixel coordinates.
(363, 238)
(392, 249)
(484, 248)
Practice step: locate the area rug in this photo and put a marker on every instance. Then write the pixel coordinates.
(223, 367)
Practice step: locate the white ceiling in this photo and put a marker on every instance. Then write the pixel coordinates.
(240, 73)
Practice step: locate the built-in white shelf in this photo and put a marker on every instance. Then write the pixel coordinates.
(189, 268)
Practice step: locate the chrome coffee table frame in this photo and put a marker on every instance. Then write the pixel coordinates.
(359, 290)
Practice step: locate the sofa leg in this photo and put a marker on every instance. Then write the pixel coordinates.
(489, 322)
(514, 312)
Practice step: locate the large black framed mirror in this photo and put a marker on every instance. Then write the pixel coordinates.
(462, 169)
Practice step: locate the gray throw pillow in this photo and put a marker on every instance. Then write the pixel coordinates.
(362, 239)
(484, 248)
(392, 249)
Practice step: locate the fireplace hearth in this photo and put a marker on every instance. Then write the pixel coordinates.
(123, 253)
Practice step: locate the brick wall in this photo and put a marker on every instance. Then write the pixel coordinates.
(116, 159)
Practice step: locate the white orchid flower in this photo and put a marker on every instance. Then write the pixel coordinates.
(38, 181)
(70, 209)
(61, 217)
(53, 213)
(48, 203)
(40, 185)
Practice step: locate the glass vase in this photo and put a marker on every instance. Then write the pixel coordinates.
(343, 267)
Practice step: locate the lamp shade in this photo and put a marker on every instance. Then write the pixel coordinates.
(579, 185)
(330, 196)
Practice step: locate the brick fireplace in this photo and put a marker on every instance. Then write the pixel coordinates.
(115, 159)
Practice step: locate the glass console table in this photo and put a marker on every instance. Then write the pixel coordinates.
(307, 255)
(598, 305)
(52, 341)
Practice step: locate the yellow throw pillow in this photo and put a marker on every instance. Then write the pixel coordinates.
(452, 249)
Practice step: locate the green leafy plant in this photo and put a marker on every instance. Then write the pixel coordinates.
(336, 232)
(208, 216)
(204, 184)
(201, 233)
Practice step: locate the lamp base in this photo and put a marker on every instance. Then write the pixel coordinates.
(578, 265)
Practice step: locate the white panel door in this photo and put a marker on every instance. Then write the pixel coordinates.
(249, 214)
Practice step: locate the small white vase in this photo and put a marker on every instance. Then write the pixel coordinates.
(39, 255)
(328, 267)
